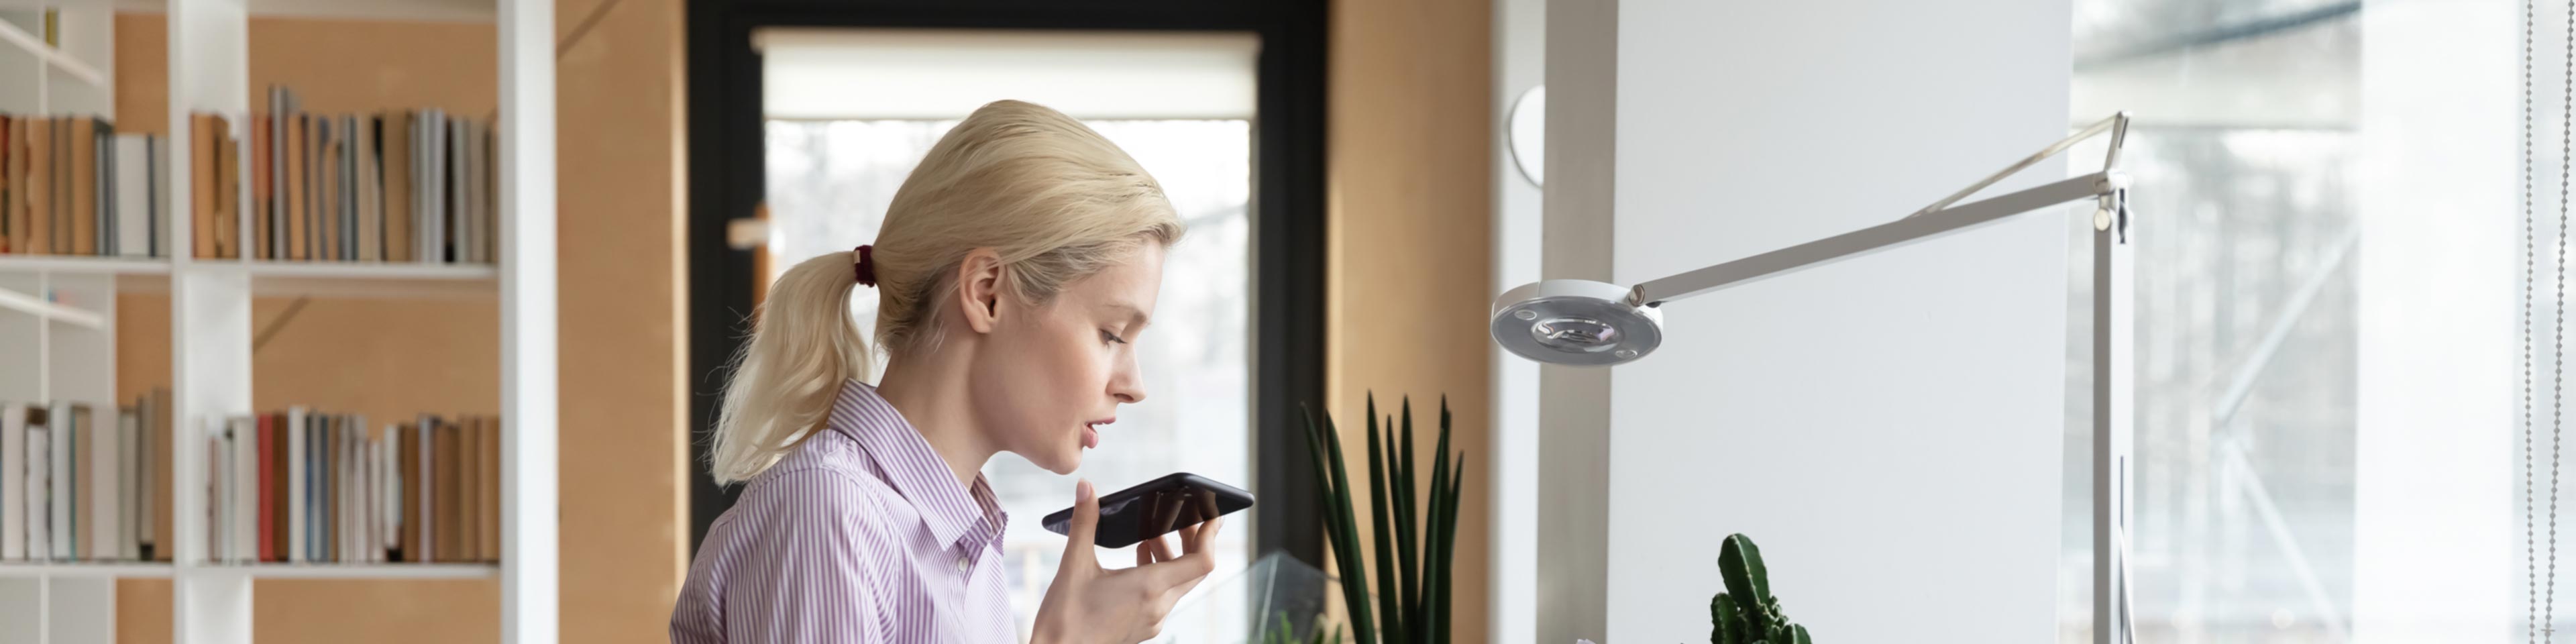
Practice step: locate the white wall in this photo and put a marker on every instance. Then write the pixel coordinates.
(1887, 428)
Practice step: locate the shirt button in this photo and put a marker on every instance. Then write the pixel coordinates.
(962, 564)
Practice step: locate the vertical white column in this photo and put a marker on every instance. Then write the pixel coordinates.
(528, 461)
(1574, 402)
(210, 334)
(2437, 543)
(1520, 63)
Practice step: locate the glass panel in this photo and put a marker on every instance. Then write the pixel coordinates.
(2244, 478)
(829, 185)
(2250, 152)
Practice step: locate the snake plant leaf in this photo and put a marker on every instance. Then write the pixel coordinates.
(1390, 614)
(1799, 635)
(1325, 446)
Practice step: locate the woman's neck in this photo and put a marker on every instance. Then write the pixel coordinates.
(932, 397)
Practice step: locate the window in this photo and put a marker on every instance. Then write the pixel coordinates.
(2273, 173)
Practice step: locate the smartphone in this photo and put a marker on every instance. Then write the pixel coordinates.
(1156, 507)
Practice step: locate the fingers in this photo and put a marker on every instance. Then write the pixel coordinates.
(1202, 536)
(1158, 549)
(1085, 524)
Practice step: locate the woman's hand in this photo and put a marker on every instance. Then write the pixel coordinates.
(1091, 605)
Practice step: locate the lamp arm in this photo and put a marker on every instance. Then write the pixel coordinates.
(1876, 238)
(1940, 218)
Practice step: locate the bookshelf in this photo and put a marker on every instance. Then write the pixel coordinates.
(58, 321)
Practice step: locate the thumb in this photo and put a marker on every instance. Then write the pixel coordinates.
(1086, 522)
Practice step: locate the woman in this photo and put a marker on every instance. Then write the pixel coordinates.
(1015, 270)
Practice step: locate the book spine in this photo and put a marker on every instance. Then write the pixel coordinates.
(267, 487)
(104, 507)
(60, 482)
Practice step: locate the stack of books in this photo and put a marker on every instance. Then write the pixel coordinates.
(300, 486)
(73, 186)
(78, 487)
(392, 186)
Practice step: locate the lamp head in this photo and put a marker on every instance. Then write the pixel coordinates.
(1575, 322)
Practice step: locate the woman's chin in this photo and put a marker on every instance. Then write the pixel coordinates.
(1064, 465)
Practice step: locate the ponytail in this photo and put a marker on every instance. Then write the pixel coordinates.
(786, 378)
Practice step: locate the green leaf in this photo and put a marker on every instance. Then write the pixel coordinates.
(1800, 636)
(1387, 595)
(1408, 530)
(1325, 443)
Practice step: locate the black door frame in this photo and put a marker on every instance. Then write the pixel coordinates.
(726, 175)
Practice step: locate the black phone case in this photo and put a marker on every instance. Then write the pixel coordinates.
(1156, 507)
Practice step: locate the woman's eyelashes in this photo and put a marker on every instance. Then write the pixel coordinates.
(1107, 337)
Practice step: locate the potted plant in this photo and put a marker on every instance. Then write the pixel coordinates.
(1413, 544)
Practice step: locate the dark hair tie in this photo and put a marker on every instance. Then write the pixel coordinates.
(867, 269)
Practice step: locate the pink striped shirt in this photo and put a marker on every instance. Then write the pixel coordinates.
(861, 535)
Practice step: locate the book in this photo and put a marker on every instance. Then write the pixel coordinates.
(201, 183)
(395, 132)
(133, 162)
(81, 478)
(349, 151)
(406, 543)
(40, 187)
(104, 141)
(490, 503)
(81, 176)
(39, 488)
(102, 478)
(260, 246)
(328, 213)
(158, 416)
(450, 537)
(228, 204)
(244, 520)
(297, 436)
(389, 498)
(298, 234)
(425, 512)
(59, 476)
(267, 485)
(469, 489)
(18, 210)
(133, 461)
(371, 214)
(460, 201)
(13, 482)
(219, 498)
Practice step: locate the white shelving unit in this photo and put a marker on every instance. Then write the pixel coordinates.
(58, 321)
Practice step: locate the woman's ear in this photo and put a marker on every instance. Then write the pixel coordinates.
(979, 289)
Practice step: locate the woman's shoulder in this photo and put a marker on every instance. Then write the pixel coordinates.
(826, 476)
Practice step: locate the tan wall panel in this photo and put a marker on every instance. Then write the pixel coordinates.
(1409, 209)
(621, 163)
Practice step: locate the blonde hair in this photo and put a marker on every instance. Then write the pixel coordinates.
(1054, 199)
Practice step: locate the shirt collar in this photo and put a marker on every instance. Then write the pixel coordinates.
(917, 472)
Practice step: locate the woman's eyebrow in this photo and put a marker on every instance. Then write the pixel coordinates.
(1136, 317)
